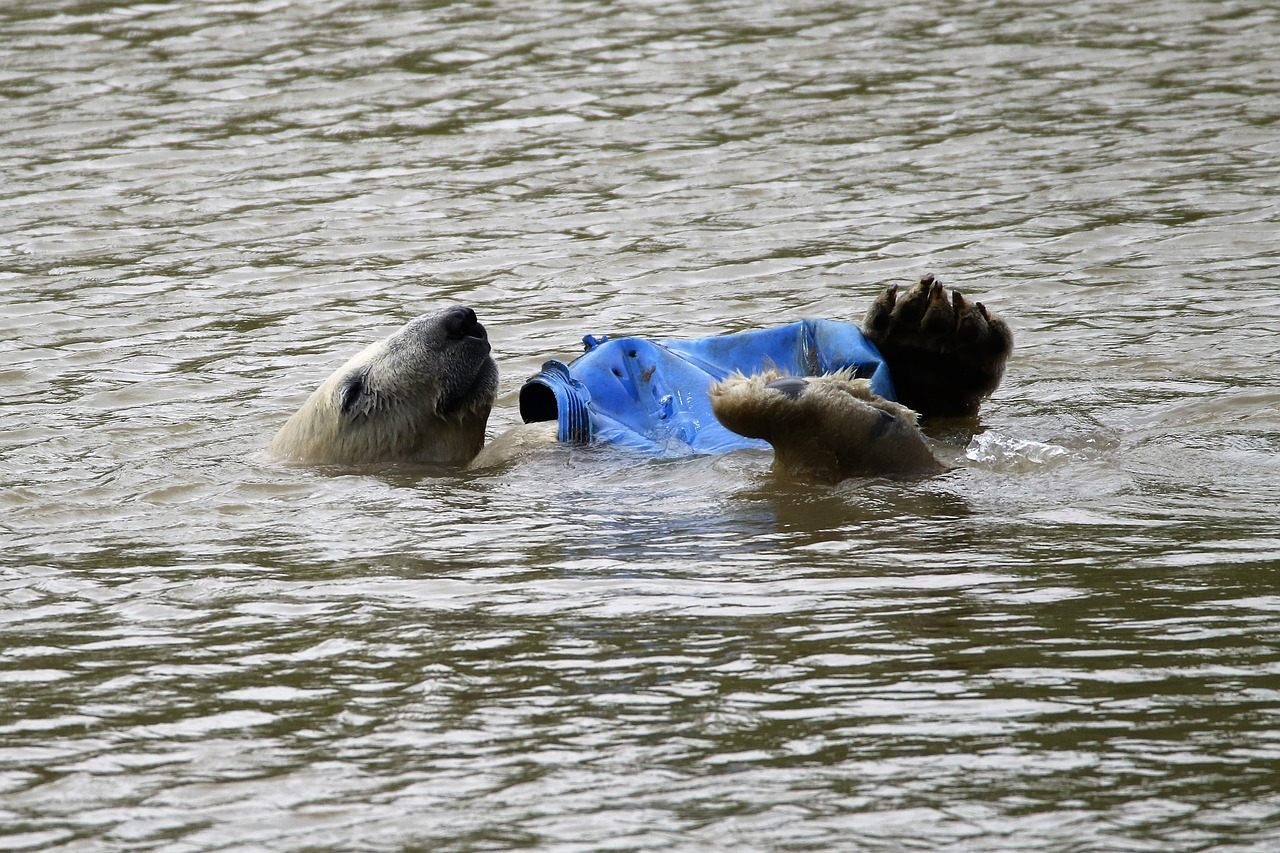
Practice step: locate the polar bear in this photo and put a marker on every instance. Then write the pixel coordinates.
(424, 395)
(421, 395)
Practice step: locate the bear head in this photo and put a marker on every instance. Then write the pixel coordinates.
(421, 395)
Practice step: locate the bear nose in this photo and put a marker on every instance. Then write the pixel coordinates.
(460, 322)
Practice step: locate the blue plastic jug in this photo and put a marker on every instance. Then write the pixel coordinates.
(652, 395)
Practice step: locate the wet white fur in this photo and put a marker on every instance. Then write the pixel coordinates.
(834, 428)
(516, 443)
(405, 379)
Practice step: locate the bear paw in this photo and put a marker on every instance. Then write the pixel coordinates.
(945, 353)
(825, 428)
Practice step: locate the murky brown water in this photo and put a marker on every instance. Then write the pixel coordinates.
(1069, 644)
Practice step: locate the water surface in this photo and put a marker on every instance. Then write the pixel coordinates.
(1069, 643)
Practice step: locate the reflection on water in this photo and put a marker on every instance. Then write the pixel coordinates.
(1067, 643)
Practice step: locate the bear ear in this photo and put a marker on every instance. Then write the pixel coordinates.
(354, 397)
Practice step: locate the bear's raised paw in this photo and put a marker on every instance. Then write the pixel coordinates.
(945, 353)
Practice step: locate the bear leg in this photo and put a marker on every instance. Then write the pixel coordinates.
(826, 428)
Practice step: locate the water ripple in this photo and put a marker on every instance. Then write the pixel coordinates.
(1067, 643)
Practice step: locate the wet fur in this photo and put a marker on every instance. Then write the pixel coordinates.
(827, 428)
(421, 395)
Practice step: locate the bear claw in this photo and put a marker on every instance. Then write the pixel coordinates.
(945, 353)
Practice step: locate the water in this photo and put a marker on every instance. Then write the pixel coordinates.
(1068, 644)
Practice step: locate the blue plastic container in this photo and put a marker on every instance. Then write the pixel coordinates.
(652, 395)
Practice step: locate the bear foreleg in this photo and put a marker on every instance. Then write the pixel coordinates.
(827, 428)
